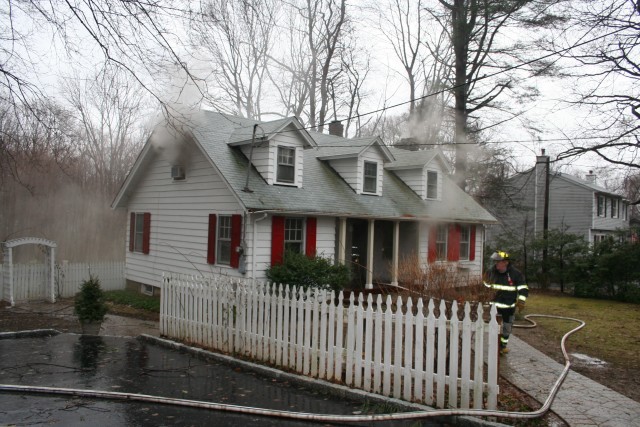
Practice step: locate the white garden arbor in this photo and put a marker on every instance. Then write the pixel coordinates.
(9, 291)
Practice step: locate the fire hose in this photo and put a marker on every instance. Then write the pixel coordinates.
(135, 397)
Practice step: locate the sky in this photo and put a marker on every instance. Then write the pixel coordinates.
(554, 119)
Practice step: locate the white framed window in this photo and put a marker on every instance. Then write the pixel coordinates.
(602, 206)
(442, 237)
(465, 242)
(432, 185)
(615, 213)
(286, 170)
(223, 248)
(293, 235)
(146, 289)
(370, 178)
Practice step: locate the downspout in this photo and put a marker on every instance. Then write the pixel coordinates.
(254, 243)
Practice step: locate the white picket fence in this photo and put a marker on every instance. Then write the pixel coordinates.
(30, 280)
(387, 347)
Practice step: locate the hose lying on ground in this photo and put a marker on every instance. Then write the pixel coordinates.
(320, 417)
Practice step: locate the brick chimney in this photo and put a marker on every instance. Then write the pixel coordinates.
(591, 177)
(336, 128)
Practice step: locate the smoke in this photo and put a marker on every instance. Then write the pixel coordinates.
(182, 98)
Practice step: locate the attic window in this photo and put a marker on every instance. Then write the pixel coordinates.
(177, 173)
(286, 165)
(370, 177)
(432, 185)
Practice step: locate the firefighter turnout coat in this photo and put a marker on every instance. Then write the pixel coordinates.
(510, 286)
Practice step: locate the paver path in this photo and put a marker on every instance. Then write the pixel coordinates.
(580, 401)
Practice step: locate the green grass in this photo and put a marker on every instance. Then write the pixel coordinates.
(134, 299)
(611, 331)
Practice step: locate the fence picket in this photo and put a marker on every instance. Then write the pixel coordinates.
(397, 357)
(377, 351)
(405, 353)
(388, 336)
(408, 350)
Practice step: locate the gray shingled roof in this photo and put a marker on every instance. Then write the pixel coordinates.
(323, 190)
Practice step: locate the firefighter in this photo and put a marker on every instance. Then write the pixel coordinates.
(512, 292)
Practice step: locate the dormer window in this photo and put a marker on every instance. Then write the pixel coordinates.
(286, 165)
(432, 185)
(370, 181)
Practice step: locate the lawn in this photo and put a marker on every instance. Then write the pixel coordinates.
(611, 335)
(611, 331)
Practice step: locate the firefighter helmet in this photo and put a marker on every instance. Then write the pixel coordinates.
(500, 256)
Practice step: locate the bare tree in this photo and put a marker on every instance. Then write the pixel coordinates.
(608, 74)
(475, 29)
(239, 38)
(317, 28)
(403, 23)
(110, 108)
(39, 135)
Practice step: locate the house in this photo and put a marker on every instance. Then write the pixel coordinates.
(229, 195)
(575, 205)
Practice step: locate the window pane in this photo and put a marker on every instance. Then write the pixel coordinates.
(601, 208)
(139, 232)
(293, 235)
(370, 177)
(224, 240)
(432, 185)
(286, 165)
(441, 242)
(465, 234)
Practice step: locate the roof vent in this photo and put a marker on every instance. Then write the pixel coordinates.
(177, 172)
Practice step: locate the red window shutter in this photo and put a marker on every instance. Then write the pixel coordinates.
(146, 233)
(310, 244)
(211, 239)
(132, 231)
(277, 240)
(472, 243)
(236, 234)
(433, 233)
(453, 243)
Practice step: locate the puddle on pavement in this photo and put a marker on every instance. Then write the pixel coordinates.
(132, 365)
(584, 360)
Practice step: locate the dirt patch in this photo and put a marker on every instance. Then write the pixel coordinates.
(23, 318)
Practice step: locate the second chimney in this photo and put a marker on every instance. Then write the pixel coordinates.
(336, 128)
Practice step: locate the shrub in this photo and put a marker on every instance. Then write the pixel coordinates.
(610, 271)
(439, 280)
(316, 273)
(133, 299)
(89, 304)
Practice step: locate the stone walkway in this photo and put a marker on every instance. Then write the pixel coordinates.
(580, 401)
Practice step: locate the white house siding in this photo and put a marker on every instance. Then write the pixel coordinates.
(179, 219)
(348, 170)
(265, 156)
(370, 155)
(415, 179)
(325, 241)
(260, 158)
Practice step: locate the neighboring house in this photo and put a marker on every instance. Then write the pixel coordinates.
(196, 207)
(577, 206)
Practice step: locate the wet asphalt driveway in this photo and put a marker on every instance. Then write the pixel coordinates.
(133, 365)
